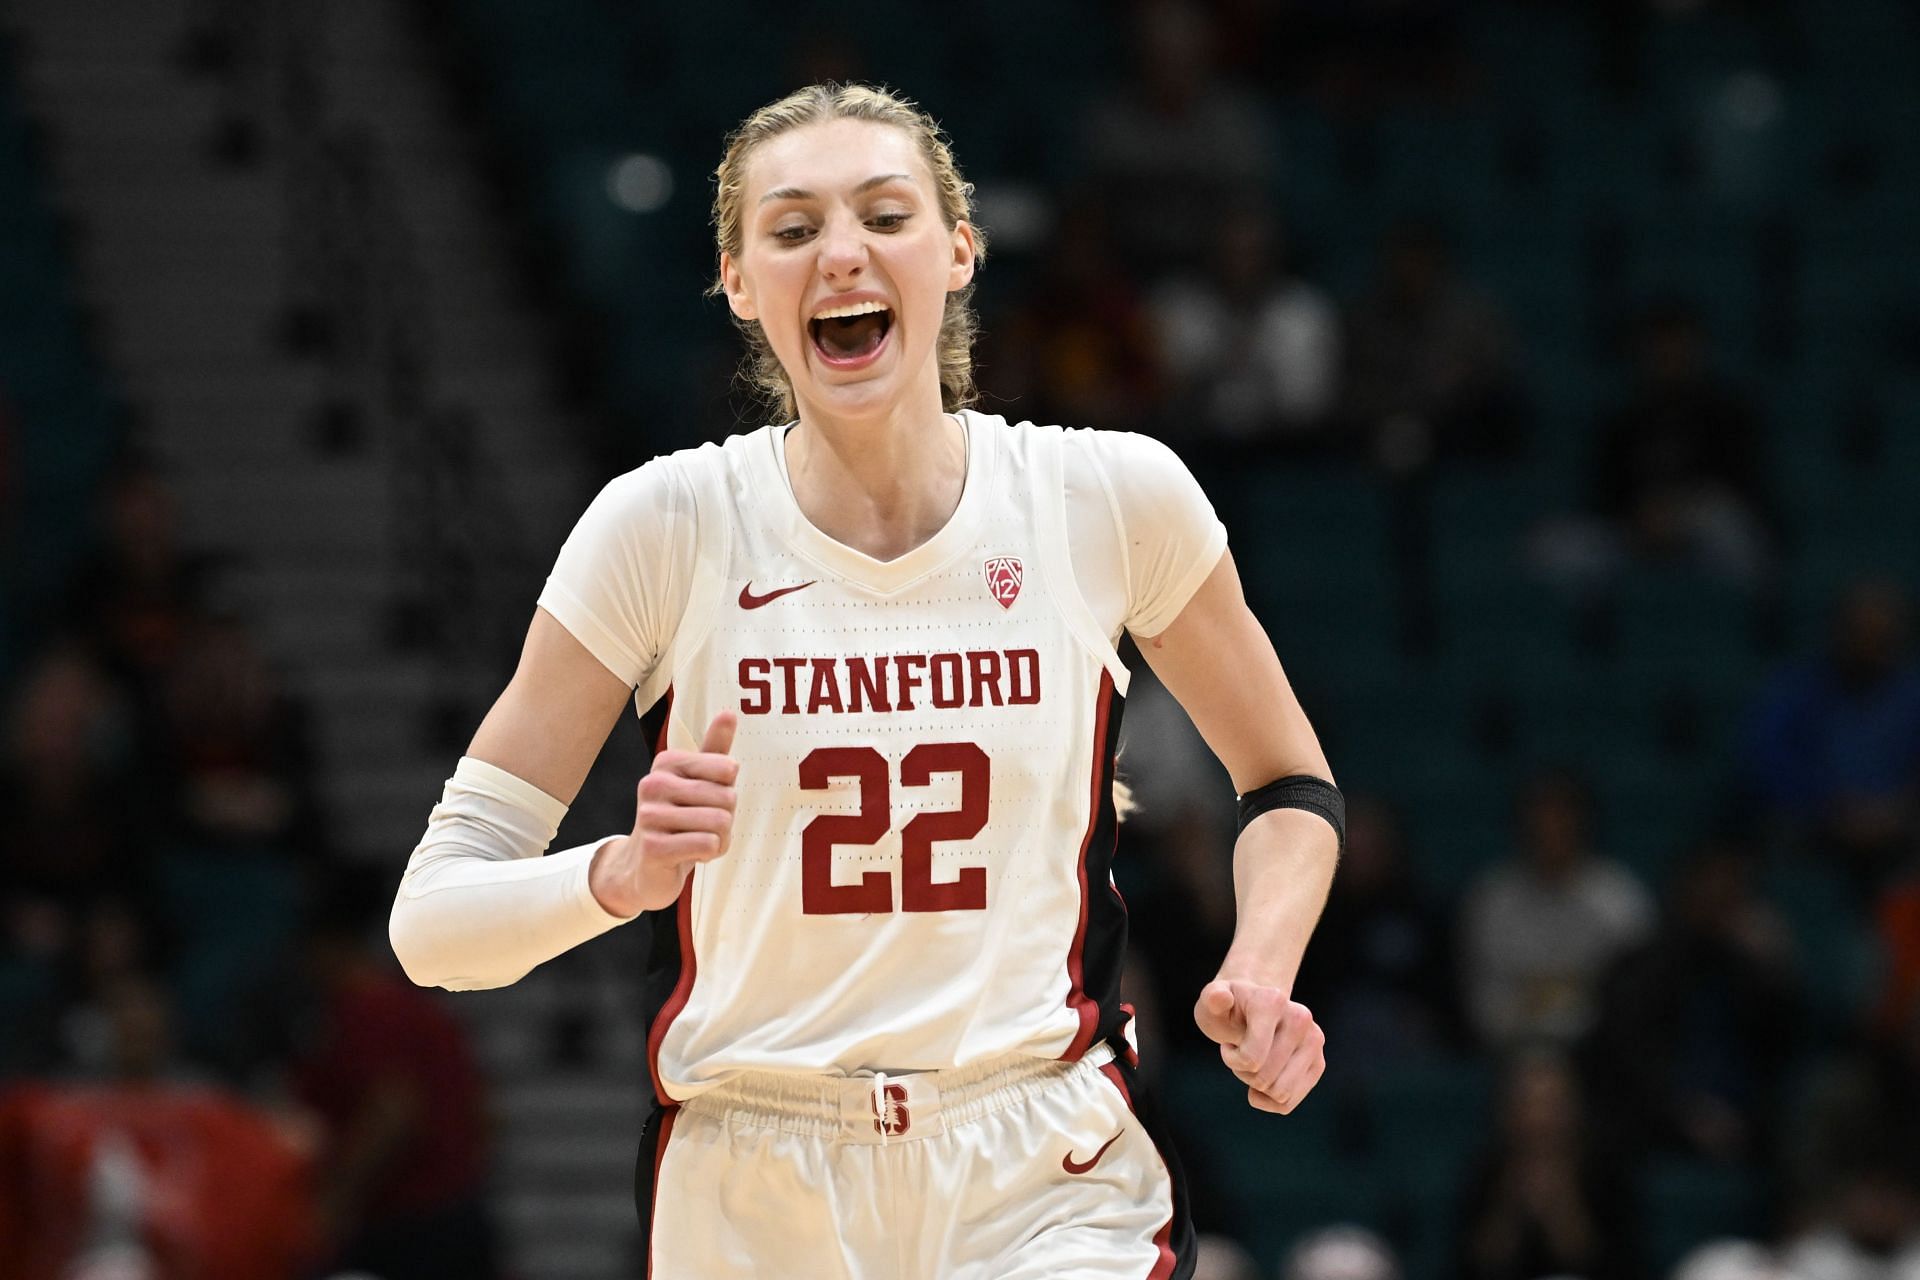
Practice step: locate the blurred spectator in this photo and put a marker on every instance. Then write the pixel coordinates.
(1079, 348)
(117, 1021)
(1366, 54)
(821, 54)
(138, 591)
(153, 1182)
(1860, 1115)
(128, 1032)
(1833, 747)
(1898, 918)
(1177, 852)
(1539, 930)
(233, 741)
(1547, 1199)
(1377, 973)
(389, 1073)
(1341, 1253)
(71, 807)
(1432, 362)
(1252, 351)
(1730, 1260)
(1176, 145)
(97, 998)
(1219, 1258)
(142, 1170)
(1678, 471)
(1870, 1231)
(1698, 1026)
(1626, 36)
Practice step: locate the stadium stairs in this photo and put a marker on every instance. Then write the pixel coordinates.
(209, 216)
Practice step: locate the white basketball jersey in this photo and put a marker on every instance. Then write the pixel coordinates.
(919, 869)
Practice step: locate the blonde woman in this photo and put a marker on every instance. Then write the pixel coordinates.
(884, 1027)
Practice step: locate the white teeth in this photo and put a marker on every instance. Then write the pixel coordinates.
(851, 309)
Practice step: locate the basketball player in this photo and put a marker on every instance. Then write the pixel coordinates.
(884, 1027)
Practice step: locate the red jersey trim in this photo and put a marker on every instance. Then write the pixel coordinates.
(1077, 998)
(1163, 1238)
(682, 989)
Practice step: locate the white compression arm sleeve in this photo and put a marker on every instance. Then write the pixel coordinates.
(479, 906)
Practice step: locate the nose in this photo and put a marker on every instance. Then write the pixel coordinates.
(843, 250)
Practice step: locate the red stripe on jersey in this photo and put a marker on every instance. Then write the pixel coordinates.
(1163, 1238)
(1163, 1241)
(659, 1158)
(1077, 998)
(660, 740)
(683, 912)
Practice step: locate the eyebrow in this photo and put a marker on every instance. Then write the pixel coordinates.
(795, 193)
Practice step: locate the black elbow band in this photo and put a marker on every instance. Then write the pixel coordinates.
(1301, 791)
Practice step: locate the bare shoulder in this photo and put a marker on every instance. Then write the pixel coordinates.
(1217, 661)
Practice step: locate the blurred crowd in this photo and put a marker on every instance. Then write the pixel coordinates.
(1631, 1021)
(211, 1067)
(1172, 298)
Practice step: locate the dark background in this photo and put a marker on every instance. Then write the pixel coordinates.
(1555, 367)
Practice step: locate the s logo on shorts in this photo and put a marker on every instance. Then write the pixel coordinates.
(890, 1115)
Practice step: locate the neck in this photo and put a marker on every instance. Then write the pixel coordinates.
(880, 485)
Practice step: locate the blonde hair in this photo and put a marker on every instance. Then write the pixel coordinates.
(816, 104)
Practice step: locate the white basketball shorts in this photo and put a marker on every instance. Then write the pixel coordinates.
(1019, 1168)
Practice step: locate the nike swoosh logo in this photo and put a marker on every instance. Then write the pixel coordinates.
(748, 600)
(1074, 1166)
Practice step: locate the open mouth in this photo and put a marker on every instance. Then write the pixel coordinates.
(849, 341)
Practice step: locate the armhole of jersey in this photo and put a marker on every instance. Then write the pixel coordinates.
(713, 547)
(1048, 477)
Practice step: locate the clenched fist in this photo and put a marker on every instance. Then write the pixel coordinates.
(684, 817)
(1270, 1042)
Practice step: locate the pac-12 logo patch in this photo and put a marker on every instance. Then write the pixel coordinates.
(1003, 579)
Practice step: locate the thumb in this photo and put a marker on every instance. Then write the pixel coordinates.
(719, 739)
(1216, 1015)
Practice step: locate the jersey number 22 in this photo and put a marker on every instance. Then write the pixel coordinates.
(919, 891)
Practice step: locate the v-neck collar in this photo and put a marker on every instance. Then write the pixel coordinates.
(774, 486)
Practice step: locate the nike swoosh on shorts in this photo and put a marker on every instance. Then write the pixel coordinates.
(1071, 1165)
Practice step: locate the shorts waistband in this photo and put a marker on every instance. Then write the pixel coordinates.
(879, 1108)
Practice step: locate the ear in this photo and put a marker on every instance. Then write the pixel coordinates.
(735, 286)
(960, 274)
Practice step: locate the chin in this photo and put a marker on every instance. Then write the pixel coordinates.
(871, 396)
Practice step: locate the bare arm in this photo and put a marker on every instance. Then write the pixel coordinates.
(478, 907)
(552, 719)
(549, 726)
(1216, 660)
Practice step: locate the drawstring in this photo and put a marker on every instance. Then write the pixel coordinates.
(882, 1106)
